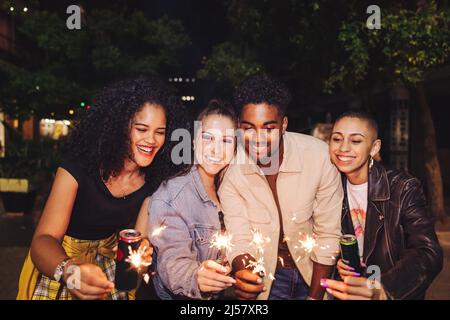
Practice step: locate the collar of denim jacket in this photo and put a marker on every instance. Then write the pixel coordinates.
(198, 184)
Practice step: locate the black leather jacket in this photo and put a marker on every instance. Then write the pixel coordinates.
(399, 234)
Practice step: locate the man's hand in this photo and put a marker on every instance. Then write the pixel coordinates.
(248, 285)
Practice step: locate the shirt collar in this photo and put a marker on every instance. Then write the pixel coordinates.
(292, 158)
(198, 184)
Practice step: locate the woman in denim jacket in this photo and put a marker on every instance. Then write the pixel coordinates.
(184, 214)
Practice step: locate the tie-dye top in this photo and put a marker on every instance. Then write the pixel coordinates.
(357, 200)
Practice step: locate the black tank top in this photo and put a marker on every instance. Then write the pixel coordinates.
(96, 213)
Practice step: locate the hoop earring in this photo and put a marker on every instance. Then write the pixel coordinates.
(370, 162)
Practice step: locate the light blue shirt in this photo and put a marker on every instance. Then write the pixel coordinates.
(188, 220)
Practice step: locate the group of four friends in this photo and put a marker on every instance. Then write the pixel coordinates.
(247, 174)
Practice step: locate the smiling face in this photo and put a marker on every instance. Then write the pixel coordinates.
(215, 143)
(352, 141)
(147, 134)
(263, 128)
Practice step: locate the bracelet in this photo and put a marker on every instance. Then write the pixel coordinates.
(59, 271)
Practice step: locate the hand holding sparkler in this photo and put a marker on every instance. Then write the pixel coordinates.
(92, 281)
(248, 284)
(212, 277)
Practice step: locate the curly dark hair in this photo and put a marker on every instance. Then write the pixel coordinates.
(100, 141)
(260, 89)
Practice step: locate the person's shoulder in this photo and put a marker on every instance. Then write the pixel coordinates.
(306, 140)
(401, 179)
(170, 189)
(307, 145)
(74, 168)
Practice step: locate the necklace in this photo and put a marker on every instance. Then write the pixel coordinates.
(123, 190)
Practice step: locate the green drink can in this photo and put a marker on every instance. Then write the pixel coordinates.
(350, 252)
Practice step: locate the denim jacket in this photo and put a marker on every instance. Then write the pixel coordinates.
(188, 219)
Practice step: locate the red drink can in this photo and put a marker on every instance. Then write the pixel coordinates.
(127, 276)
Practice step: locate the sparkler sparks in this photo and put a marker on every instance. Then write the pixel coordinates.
(281, 261)
(158, 231)
(146, 278)
(257, 267)
(135, 257)
(308, 244)
(258, 241)
(222, 241)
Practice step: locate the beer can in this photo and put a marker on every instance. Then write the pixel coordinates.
(350, 252)
(127, 276)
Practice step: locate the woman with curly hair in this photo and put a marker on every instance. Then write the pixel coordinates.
(99, 190)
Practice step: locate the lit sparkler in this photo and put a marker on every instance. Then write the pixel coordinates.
(135, 257)
(257, 267)
(258, 241)
(158, 231)
(308, 244)
(281, 261)
(222, 241)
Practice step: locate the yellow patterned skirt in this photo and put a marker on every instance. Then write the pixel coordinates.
(34, 285)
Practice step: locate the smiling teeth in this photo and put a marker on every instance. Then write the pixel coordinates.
(212, 159)
(345, 158)
(145, 149)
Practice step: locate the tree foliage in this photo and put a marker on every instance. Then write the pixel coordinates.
(60, 67)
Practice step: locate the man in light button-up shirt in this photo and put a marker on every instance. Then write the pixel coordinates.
(283, 185)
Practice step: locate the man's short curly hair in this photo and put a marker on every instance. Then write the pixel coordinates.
(262, 89)
(100, 141)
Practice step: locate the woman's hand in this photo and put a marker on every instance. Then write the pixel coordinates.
(212, 277)
(87, 281)
(146, 250)
(345, 270)
(354, 288)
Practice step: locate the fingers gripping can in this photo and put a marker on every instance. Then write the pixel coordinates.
(127, 276)
(350, 252)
